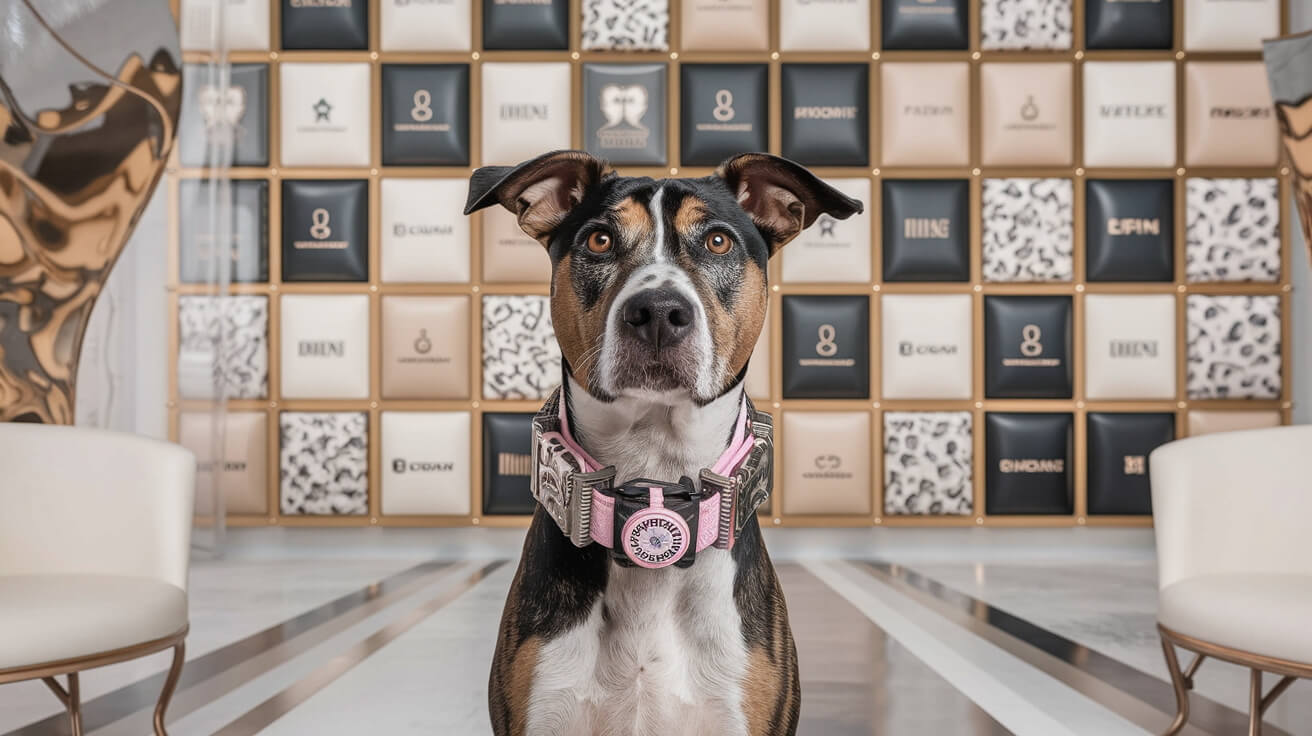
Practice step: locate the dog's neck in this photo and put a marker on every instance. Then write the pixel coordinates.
(653, 436)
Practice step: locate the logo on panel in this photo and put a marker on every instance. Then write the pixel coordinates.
(624, 113)
(826, 345)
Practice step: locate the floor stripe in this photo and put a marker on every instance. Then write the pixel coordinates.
(1018, 635)
(264, 714)
(857, 681)
(143, 694)
(1020, 697)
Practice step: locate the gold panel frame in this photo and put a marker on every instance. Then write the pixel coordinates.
(773, 58)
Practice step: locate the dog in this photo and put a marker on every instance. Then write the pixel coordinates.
(658, 295)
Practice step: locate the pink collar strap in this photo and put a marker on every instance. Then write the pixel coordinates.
(660, 524)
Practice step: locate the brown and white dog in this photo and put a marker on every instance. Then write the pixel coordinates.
(658, 294)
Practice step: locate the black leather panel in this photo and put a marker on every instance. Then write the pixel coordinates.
(826, 347)
(1130, 229)
(925, 24)
(325, 230)
(204, 108)
(507, 463)
(1029, 464)
(926, 230)
(724, 112)
(1119, 445)
(826, 114)
(624, 112)
(426, 114)
(531, 25)
(247, 252)
(1027, 347)
(1117, 24)
(342, 24)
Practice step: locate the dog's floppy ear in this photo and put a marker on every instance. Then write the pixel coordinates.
(540, 192)
(782, 197)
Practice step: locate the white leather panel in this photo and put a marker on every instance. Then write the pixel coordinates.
(1230, 119)
(926, 114)
(325, 346)
(526, 111)
(833, 250)
(826, 462)
(424, 26)
(425, 462)
(1025, 114)
(245, 24)
(833, 25)
(326, 117)
(425, 235)
(1129, 346)
(758, 368)
(1210, 422)
(1129, 113)
(926, 346)
(1230, 25)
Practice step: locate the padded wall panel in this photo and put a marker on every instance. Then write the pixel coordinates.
(236, 116)
(826, 347)
(624, 112)
(521, 359)
(925, 24)
(1234, 347)
(425, 115)
(836, 25)
(538, 25)
(424, 26)
(715, 25)
(626, 25)
(425, 347)
(1130, 230)
(242, 469)
(241, 368)
(1230, 120)
(338, 25)
(526, 110)
(926, 114)
(928, 460)
(1029, 460)
(833, 250)
(826, 463)
(324, 463)
(926, 346)
(826, 114)
(247, 251)
(1230, 25)
(926, 230)
(723, 111)
(1027, 347)
(509, 255)
(507, 463)
(1233, 230)
(1119, 446)
(325, 230)
(245, 24)
(1026, 114)
(1129, 348)
(1025, 24)
(1028, 229)
(325, 114)
(325, 346)
(1209, 422)
(425, 458)
(1129, 113)
(1114, 24)
(425, 235)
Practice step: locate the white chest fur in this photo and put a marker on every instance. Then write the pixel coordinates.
(662, 651)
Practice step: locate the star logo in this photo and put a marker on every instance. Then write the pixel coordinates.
(322, 110)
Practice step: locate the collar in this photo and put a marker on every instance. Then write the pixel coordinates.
(579, 494)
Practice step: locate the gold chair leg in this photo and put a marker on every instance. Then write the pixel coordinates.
(175, 671)
(71, 698)
(1181, 684)
(1255, 704)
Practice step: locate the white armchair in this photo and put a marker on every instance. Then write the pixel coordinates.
(95, 535)
(1233, 516)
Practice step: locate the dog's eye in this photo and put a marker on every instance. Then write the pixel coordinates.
(600, 241)
(718, 242)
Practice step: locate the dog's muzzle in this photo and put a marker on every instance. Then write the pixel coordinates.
(659, 524)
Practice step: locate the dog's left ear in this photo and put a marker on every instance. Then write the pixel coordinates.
(783, 198)
(540, 192)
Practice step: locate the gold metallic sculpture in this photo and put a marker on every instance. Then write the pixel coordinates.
(90, 92)
(1289, 68)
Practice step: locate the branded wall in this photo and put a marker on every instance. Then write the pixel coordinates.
(1074, 247)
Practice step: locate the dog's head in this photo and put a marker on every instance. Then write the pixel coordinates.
(658, 285)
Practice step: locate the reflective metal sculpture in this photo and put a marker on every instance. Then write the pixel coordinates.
(1289, 68)
(90, 92)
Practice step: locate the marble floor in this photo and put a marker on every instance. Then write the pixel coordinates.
(967, 632)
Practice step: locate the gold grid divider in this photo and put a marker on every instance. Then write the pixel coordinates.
(773, 58)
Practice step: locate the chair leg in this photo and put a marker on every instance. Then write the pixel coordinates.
(175, 671)
(1255, 704)
(1181, 685)
(71, 698)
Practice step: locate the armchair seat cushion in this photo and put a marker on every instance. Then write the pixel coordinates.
(50, 618)
(1258, 613)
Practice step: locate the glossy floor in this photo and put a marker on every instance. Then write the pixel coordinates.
(951, 632)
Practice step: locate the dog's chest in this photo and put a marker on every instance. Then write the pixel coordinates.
(662, 652)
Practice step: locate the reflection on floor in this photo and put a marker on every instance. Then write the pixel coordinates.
(909, 640)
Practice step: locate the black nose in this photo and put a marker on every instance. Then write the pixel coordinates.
(658, 317)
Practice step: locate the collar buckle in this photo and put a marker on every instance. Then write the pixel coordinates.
(750, 485)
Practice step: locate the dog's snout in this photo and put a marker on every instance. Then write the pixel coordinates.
(658, 317)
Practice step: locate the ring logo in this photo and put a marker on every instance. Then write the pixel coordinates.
(828, 462)
(827, 348)
(421, 115)
(1029, 117)
(422, 343)
(723, 111)
(828, 467)
(320, 231)
(724, 114)
(1032, 465)
(401, 465)
(1031, 346)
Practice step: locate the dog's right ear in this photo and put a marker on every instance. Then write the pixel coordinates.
(540, 192)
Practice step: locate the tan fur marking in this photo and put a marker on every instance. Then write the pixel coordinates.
(520, 683)
(578, 331)
(763, 678)
(634, 220)
(691, 213)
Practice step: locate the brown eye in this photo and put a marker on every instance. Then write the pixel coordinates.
(718, 242)
(599, 241)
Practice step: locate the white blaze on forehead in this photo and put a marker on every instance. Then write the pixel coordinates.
(654, 207)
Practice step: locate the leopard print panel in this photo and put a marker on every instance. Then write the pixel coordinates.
(241, 325)
(1234, 347)
(1028, 229)
(324, 463)
(1025, 24)
(927, 463)
(626, 25)
(521, 359)
(1233, 230)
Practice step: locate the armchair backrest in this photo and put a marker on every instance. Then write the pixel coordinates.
(77, 500)
(1234, 502)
